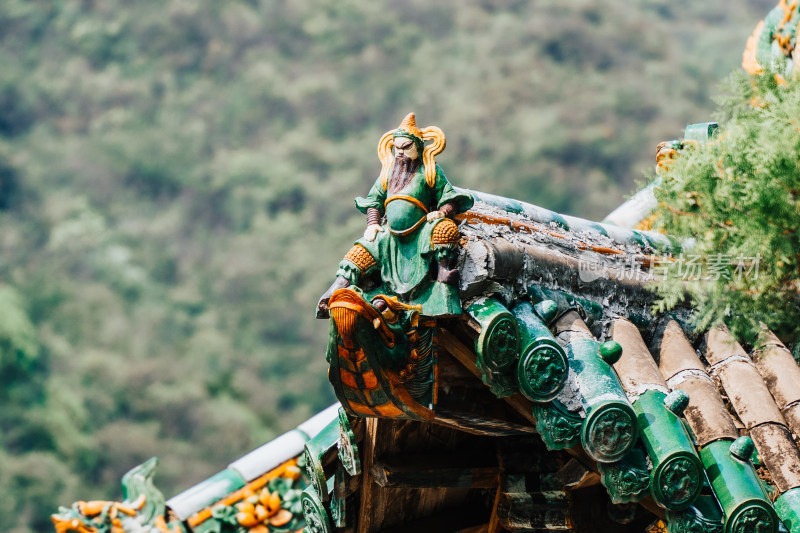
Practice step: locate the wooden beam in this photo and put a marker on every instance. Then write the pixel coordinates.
(461, 519)
(483, 528)
(453, 374)
(520, 512)
(519, 403)
(650, 504)
(380, 507)
(479, 424)
(368, 486)
(494, 522)
(575, 476)
(415, 473)
(467, 357)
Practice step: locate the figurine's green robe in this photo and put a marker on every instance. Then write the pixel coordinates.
(403, 249)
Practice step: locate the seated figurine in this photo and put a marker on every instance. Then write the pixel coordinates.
(415, 249)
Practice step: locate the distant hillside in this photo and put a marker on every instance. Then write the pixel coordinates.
(176, 183)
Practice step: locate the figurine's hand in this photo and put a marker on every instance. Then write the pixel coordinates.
(372, 231)
(433, 215)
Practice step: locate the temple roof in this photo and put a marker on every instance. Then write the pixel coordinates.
(648, 425)
(556, 400)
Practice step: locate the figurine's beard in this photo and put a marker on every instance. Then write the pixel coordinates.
(403, 171)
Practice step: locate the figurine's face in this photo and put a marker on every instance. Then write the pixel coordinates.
(406, 147)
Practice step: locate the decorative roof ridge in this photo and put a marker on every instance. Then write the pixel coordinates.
(250, 466)
(620, 235)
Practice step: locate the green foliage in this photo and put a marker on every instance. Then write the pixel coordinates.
(176, 184)
(737, 199)
(19, 348)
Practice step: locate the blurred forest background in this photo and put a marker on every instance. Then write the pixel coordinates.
(176, 184)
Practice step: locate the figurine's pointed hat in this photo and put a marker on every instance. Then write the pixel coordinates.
(408, 128)
(409, 124)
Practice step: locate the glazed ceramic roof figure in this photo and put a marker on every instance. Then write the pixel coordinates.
(418, 204)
